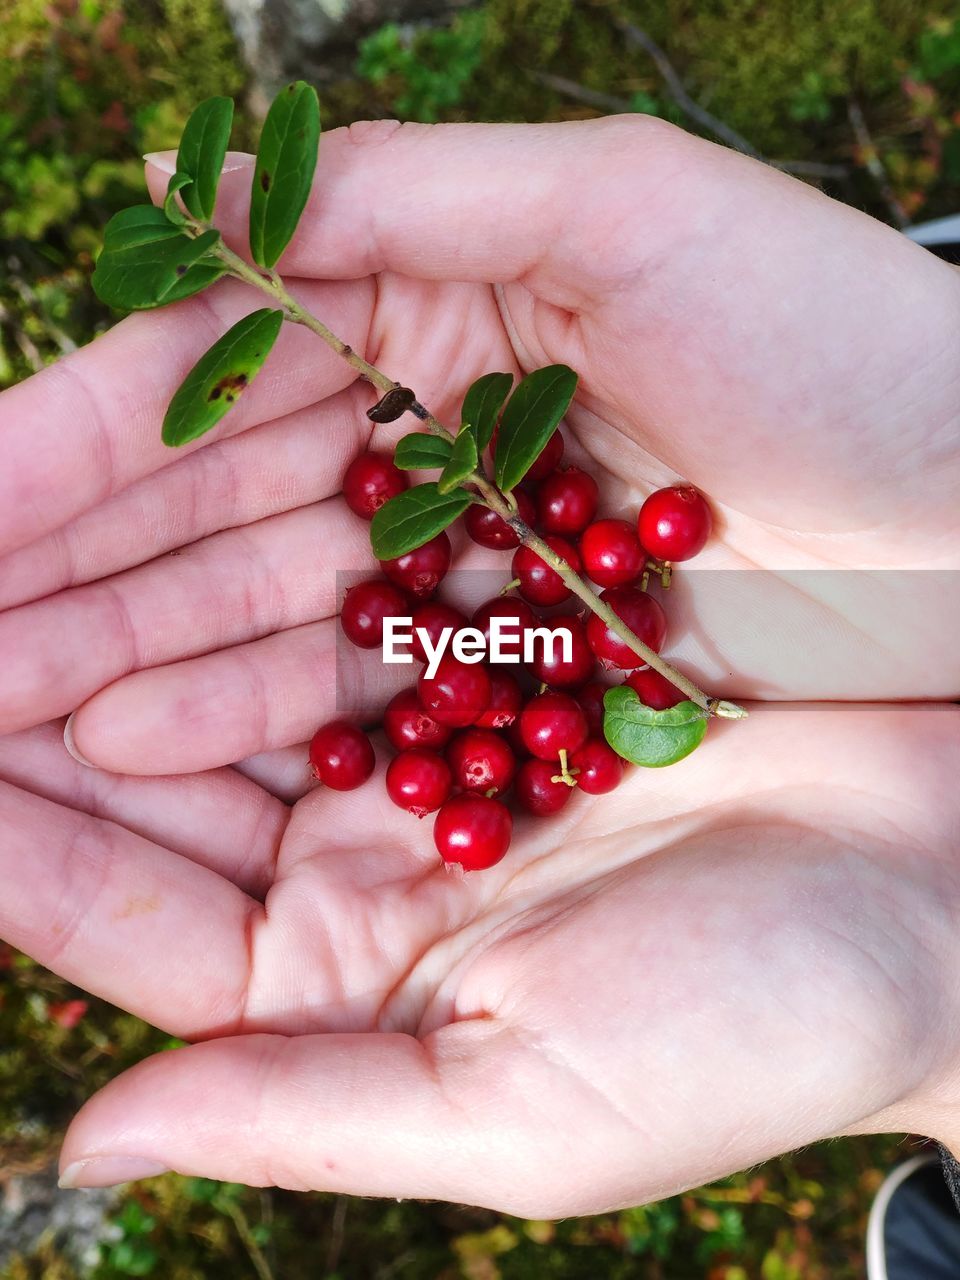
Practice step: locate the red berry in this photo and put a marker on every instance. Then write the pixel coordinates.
(490, 530)
(481, 760)
(341, 756)
(364, 608)
(551, 723)
(655, 690)
(457, 694)
(421, 571)
(600, 768)
(371, 480)
(505, 701)
(538, 582)
(611, 552)
(567, 501)
(432, 617)
(551, 667)
(674, 524)
(548, 458)
(536, 791)
(590, 698)
(643, 616)
(473, 830)
(418, 781)
(407, 725)
(511, 639)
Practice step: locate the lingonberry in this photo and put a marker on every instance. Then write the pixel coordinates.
(590, 698)
(512, 607)
(567, 501)
(611, 553)
(549, 664)
(481, 760)
(537, 582)
(675, 523)
(432, 617)
(597, 767)
(421, 571)
(643, 616)
(654, 690)
(505, 701)
(341, 756)
(364, 608)
(473, 830)
(540, 789)
(490, 530)
(551, 723)
(548, 459)
(418, 781)
(371, 480)
(457, 693)
(407, 725)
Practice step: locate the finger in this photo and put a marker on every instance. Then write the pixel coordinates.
(156, 933)
(285, 773)
(221, 819)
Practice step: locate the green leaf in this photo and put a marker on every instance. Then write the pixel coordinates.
(463, 461)
(203, 146)
(482, 404)
(221, 376)
(148, 262)
(421, 452)
(413, 518)
(284, 170)
(530, 419)
(647, 737)
(171, 210)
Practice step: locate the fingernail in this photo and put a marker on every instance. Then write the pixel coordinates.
(70, 744)
(108, 1171)
(165, 161)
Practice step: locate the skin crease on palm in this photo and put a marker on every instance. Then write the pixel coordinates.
(720, 961)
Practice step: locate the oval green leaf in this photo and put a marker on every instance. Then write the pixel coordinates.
(530, 419)
(413, 518)
(483, 403)
(148, 262)
(647, 737)
(286, 159)
(203, 146)
(171, 210)
(421, 452)
(463, 462)
(221, 376)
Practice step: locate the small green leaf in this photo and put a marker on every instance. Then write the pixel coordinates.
(647, 737)
(203, 146)
(530, 419)
(221, 376)
(148, 262)
(421, 452)
(283, 173)
(171, 210)
(413, 518)
(482, 404)
(463, 461)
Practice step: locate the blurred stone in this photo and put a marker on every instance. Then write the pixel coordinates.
(33, 1208)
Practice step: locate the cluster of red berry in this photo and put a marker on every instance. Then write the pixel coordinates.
(467, 733)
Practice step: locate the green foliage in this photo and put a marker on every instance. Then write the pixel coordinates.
(426, 73)
(647, 737)
(203, 146)
(147, 261)
(482, 405)
(286, 159)
(421, 452)
(462, 464)
(529, 420)
(413, 518)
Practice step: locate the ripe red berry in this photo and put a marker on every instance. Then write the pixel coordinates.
(490, 530)
(418, 781)
(536, 791)
(550, 666)
(611, 553)
(432, 617)
(481, 760)
(551, 723)
(538, 583)
(364, 608)
(548, 458)
(407, 725)
(473, 830)
(590, 698)
(674, 524)
(341, 756)
(457, 694)
(522, 620)
(371, 480)
(505, 701)
(567, 501)
(421, 571)
(597, 766)
(654, 690)
(643, 616)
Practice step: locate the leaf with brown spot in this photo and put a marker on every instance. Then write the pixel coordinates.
(286, 158)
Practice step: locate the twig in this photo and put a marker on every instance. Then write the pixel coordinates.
(870, 159)
(256, 1254)
(336, 1233)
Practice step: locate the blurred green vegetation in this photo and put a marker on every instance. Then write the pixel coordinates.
(86, 86)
